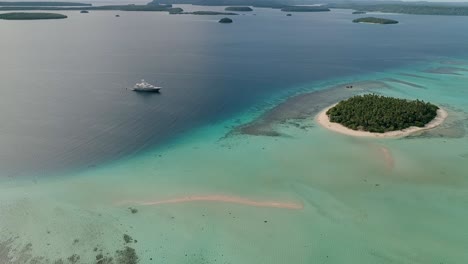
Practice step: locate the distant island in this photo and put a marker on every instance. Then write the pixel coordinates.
(416, 8)
(370, 114)
(412, 8)
(255, 3)
(42, 4)
(359, 12)
(208, 13)
(375, 20)
(31, 16)
(225, 20)
(305, 9)
(238, 8)
(84, 11)
(131, 7)
(401, 7)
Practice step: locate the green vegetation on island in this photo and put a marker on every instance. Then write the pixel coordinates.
(238, 8)
(31, 16)
(375, 20)
(225, 20)
(305, 9)
(417, 8)
(42, 4)
(131, 7)
(208, 13)
(255, 3)
(359, 12)
(380, 114)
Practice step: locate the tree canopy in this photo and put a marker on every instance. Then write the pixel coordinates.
(375, 20)
(31, 16)
(225, 20)
(379, 114)
(239, 8)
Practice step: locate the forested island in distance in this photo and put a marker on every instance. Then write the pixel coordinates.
(225, 20)
(417, 8)
(131, 7)
(239, 8)
(208, 13)
(305, 9)
(42, 4)
(380, 114)
(375, 20)
(31, 16)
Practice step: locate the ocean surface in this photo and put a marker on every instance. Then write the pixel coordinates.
(214, 169)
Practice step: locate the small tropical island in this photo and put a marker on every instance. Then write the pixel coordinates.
(375, 20)
(225, 20)
(31, 16)
(359, 12)
(379, 116)
(239, 8)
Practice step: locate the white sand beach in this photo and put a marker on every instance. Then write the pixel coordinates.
(323, 120)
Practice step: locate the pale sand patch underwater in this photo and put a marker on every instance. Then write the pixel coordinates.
(323, 120)
(221, 199)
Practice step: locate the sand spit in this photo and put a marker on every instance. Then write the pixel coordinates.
(388, 157)
(322, 119)
(220, 199)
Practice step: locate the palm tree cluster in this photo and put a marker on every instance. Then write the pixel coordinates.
(379, 114)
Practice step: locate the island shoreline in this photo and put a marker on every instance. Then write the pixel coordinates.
(323, 119)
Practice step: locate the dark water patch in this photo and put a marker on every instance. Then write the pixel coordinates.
(73, 259)
(127, 239)
(303, 106)
(133, 210)
(416, 76)
(127, 256)
(101, 259)
(446, 70)
(404, 82)
(13, 253)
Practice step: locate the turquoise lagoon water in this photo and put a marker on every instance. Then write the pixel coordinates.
(337, 199)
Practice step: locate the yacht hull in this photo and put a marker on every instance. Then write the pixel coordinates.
(147, 90)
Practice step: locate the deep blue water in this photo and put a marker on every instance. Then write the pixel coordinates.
(64, 103)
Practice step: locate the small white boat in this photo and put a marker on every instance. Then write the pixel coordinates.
(146, 87)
